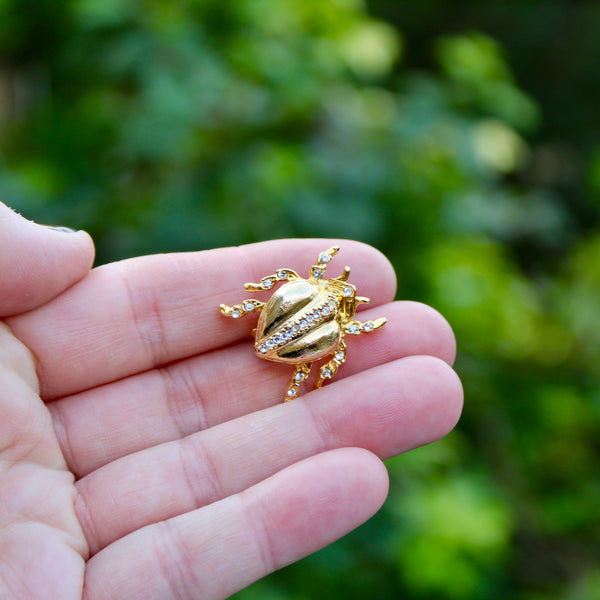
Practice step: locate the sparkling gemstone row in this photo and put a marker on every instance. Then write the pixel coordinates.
(309, 321)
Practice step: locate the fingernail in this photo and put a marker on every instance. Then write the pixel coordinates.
(62, 229)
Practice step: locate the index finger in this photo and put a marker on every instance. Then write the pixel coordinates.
(130, 316)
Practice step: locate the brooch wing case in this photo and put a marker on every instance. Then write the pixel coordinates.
(305, 320)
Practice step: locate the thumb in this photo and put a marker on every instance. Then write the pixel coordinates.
(38, 262)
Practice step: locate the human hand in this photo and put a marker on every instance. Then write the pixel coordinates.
(191, 478)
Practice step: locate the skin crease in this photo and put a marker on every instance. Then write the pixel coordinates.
(144, 449)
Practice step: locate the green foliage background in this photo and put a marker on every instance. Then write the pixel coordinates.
(462, 140)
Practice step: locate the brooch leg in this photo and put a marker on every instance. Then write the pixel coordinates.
(356, 327)
(239, 310)
(300, 374)
(266, 283)
(317, 271)
(329, 369)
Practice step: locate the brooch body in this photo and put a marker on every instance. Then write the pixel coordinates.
(305, 320)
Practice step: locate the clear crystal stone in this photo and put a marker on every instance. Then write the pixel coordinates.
(324, 258)
(262, 349)
(353, 329)
(317, 273)
(236, 313)
(325, 311)
(368, 326)
(326, 373)
(291, 392)
(332, 306)
(299, 377)
(303, 324)
(316, 315)
(268, 284)
(281, 274)
(269, 343)
(249, 306)
(309, 318)
(278, 339)
(347, 292)
(288, 335)
(295, 329)
(339, 355)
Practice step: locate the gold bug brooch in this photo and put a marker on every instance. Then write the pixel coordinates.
(305, 320)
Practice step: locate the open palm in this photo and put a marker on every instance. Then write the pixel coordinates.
(144, 449)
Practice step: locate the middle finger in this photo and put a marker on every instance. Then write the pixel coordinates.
(103, 424)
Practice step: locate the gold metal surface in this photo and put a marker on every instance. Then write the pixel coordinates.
(305, 320)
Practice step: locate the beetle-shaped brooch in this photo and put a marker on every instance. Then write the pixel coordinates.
(305, 320)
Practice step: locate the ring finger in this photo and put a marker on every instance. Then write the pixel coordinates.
(388, 409)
